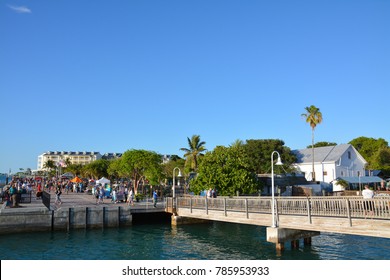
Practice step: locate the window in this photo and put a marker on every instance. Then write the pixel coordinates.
(342, 173)
(349, 155)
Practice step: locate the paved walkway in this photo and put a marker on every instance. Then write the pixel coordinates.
(87, 200)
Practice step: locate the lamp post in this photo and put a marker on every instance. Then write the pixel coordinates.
(178, 175)
(278, 162)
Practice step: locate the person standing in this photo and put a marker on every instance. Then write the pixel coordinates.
(155, 196)
(13, 192)
(368, 194)
(114, 195)
(96, 193)
(130, 198)
(39, 190)
(102, 192)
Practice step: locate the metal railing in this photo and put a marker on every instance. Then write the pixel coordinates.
(348, 207)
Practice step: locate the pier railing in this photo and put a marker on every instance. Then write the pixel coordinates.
(348, 207)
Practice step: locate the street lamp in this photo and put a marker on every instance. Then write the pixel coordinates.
(178, 175)
(278, 162)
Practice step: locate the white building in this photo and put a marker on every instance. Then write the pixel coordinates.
(330, 162)
(82, 158)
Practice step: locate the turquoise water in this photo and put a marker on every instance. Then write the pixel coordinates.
(213, 241)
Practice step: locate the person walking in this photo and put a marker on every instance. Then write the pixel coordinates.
(58, 195)
(102, 192)
(96, 193)
(155, 197)
(130, 198)
(114, 196)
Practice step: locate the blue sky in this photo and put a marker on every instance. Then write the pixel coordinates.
(110, 76)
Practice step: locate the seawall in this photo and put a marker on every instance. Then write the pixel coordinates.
(42, 219)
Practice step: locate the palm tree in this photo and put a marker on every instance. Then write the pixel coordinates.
(50, 166)
(195, 150)
(313, 117)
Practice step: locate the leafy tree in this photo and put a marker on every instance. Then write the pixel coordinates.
(323, 144)
(50, 166)
(258, 153)
(194, 151)
(381, 160)
(139, 166)
(68, 162)
(237, 143)
(114, 169)
(375, 151)
(167, 169)
(97, 168)
(343, 184)
(367, 147)
(313, 117)
(75, 169)
(227, 170)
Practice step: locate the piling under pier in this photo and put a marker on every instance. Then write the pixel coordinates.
(281, 235)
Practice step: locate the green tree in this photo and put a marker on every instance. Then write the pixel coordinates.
(75, 169)
(374, 151)
(323, 144)
(226, 169)
(167, 169)
(382, 160)
(50, 166)
(194, 151)
(97, 168)
(313, 117)
(139, 166)
(258, 153)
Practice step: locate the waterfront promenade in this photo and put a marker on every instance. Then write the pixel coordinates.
(77, 211)
(72, 199)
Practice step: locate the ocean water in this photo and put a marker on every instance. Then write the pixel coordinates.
(161, 241)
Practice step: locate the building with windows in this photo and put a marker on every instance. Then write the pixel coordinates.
(330, 163)
(83, 158)
(59, 158)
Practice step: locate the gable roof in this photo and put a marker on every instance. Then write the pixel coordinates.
(321, 154)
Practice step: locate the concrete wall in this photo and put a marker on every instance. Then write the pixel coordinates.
(42, 219)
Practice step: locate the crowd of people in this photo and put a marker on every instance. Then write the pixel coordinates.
(121, 192)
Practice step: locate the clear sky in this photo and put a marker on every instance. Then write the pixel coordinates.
(109, 76)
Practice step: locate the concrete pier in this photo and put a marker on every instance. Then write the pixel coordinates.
(179, 220)
(281, 235)
(78, 211)
(22, 220)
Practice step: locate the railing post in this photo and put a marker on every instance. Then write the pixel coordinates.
(207, 206)
(246, 208)
(191, 205)
(276, 213)
(349, 212)
(224, 206)
(308, 210)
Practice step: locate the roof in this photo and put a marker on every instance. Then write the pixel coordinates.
(362, 179)
(321, 154)
(70, 153)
